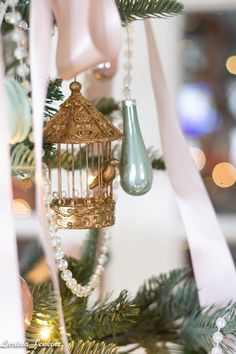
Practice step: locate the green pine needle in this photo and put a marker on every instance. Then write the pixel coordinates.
(131, 10)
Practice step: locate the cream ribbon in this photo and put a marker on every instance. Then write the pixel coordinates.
(212, 262)
(40, 37)
(11, 311)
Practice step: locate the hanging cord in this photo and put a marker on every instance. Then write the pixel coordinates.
(127, 78)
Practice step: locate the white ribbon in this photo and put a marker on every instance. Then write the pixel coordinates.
(11, 311)
(212, 262)
(40, 36)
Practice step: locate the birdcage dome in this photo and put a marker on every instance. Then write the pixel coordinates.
(78, 122)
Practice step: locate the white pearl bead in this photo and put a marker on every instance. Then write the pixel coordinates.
(101, 259)
(53, 228)
(22, 70)
(99, 270)
(220, 322)
(85, 291)
(12, 17)
(62, 264)
(66, 275)
(217, 337)
(56, 242)
(107, 235)
(51, 214)
(22, 25)
(216, 350)
(104, 249)
(71, 283)
(59, 254)
(20, 53)
(18, 35)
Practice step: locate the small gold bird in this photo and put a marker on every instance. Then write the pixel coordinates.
(106, 175)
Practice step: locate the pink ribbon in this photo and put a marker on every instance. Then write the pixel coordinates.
(40, 35)
(212, 262)
(89, 33)
(11, 311)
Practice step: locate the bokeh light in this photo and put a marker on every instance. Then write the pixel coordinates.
(197, 113)
(199, 157)
(224, 175)
(231, 64)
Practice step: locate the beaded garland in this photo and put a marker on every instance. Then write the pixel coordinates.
(218, 336)
(19, 36)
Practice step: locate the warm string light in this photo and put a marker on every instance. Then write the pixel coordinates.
(45, 333)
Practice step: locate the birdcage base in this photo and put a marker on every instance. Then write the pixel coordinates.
(84, 213)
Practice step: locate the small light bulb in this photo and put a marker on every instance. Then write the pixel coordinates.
(45, 333)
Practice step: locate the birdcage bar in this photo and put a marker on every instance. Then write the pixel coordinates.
(110, 156)
(92, 158)
(80, 170)
(73, 169)
(59, 169)
(50, 176)
(87, 169)
(68, 171)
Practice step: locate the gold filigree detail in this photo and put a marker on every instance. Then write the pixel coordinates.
(78, 122)
(79, 213)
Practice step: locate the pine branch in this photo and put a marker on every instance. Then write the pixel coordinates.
(109, 318)
(199, 328)
(54, 94)
(29, 257)
(93, 347)
(131, 10)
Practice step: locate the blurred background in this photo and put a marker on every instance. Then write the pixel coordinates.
(198, 52)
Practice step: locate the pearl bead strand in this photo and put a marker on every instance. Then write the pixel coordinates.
(62, 264)
(19, 36)
(218, 336)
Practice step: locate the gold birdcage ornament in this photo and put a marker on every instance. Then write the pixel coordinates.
(81, 182)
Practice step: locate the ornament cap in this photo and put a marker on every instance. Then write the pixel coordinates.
(75, 86)
(129, 102)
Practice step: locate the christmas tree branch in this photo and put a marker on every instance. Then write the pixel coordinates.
(131, 10)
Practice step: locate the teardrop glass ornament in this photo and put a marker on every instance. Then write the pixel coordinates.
(135, 167)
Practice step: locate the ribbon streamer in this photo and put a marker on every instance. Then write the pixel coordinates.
(11, 311)
(40, 37)
(212, 262)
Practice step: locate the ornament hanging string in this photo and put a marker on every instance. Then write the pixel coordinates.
(10, 297)
(212, 262)
(127, 79)
(39, 49)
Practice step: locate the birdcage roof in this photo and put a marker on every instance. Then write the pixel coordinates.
(78, 122)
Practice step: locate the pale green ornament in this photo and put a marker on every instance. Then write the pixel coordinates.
(18, 111)
(135, 167)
